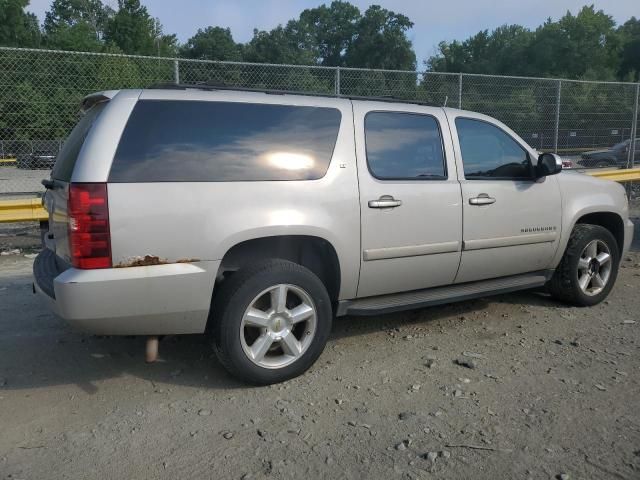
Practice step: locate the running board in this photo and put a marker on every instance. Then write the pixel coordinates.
(438, 295)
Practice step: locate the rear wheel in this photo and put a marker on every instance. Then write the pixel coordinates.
(589, 267)
(270, 322)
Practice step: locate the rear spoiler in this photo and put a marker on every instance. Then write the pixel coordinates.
(90, 100)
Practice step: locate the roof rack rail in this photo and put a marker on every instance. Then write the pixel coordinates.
(270, 91)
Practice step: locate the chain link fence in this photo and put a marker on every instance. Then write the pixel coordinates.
(590, 123)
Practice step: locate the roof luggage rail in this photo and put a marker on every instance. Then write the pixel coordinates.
(215, 86)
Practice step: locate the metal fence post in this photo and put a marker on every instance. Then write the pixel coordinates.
(176, 71)
(634, 131)
(557, 125)
(460, 91)
(337, 82)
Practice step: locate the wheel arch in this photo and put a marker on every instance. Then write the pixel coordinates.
(606, 219)
(313, 252)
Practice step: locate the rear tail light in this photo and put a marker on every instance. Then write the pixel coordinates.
(89, 236)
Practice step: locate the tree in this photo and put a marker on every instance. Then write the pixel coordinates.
(630, 53)
(212, 43)
(17, 27)
(328, 32)
(134, 31)
(498, 52)
(280, 45)
(76, 24)
(381, 41)
(580, 46)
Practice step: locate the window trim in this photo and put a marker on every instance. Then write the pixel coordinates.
(532, 178)
(412, 179)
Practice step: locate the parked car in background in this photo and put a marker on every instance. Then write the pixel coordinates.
(38, 159)
(616, 156)
(256, 217)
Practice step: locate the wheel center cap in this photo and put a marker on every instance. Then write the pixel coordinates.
(278, 324)
(594, 265)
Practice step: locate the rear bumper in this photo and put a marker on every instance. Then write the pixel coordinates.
(628, 236)
(152, 300)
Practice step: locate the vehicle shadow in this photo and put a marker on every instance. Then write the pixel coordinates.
(42, 351)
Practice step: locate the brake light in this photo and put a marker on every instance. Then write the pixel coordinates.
(89, 235)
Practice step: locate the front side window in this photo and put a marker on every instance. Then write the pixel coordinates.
(195, 141)
(404, 146)
(489, 152)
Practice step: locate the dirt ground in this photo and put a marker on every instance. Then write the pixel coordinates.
(552, 392)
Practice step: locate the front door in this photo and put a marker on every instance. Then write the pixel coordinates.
(410, 203)
(511, 219)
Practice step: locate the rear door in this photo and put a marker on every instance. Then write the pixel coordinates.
(511, 219)
(410, 203)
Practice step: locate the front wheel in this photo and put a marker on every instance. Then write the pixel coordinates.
(270, 322)
(589, 266)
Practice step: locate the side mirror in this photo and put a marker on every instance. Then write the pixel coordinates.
(548, 164)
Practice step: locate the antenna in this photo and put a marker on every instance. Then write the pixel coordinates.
(446, 99)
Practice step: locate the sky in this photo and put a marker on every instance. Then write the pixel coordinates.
(435, 20)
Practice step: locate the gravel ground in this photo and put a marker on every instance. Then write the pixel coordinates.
(515, 386)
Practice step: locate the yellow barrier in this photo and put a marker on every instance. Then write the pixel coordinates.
(27, 210)
(7, 160)
(31, 209)
(623, 175)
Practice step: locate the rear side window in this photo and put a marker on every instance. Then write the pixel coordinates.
(66, 159)
(194, 141)
(404, 146)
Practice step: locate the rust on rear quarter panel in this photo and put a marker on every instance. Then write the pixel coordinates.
(149, 260)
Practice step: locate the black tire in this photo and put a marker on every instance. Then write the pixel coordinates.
(233, 298)
(564, 283)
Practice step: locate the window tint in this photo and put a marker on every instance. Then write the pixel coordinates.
(403, 146)
(66, 159)
(489, 152)
(192, 141)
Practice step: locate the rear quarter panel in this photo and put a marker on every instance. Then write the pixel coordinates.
(203, 220)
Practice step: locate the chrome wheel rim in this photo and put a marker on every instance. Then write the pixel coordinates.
(594, 267)
(278, 326)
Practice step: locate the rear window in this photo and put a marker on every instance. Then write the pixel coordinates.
(66, 159)
(193, 141)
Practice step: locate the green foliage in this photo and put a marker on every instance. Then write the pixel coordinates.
(39, 92)
(327, 32)
(212, 43)
(582, 46)
(630, 55)
(76, 25)
(17, 27)
(134, 31)
(381, 41)
(280, 45)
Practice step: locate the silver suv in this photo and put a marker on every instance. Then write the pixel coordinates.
(257, 217)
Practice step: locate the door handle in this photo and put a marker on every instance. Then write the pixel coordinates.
(385, 201)
(482, 199)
